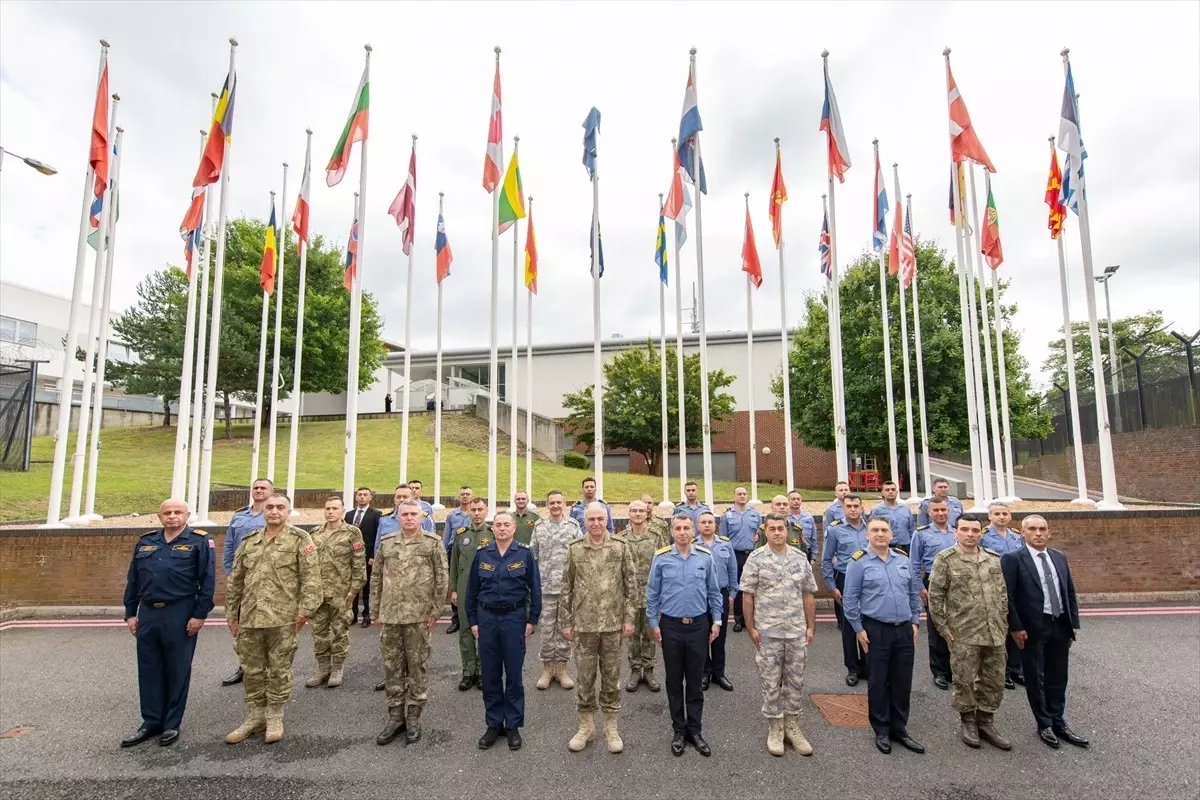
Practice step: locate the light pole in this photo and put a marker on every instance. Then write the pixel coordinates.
(1112, 346)
(45, 169)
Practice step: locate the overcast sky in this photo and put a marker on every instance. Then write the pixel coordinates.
(759, 76)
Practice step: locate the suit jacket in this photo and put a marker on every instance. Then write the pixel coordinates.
(369, 526)
(1026, 600)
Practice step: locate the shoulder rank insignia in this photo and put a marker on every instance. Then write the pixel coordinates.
(662, 550)
(723, 538)
(990, 551)
(703, 549)
(151, 533)
(923, 527)
(1014, 530)
(198, 533)
(485, 541)
(460, 530)
(858, 554)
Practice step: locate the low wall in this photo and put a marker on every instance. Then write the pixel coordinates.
(548, 436)
(45, 420)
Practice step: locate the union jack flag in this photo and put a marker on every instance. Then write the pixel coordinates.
(825, 248)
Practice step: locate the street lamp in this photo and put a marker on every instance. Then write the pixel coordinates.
(1112, 346)
(41, 167)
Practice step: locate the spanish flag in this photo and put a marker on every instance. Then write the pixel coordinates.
(213, 159)
(266, 270)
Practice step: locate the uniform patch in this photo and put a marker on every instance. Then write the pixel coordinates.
(148, 548)
(662, 550)
(486, 567)
(484, 542)
(466, 541)
(184, 547)
(460, 530)
(212, 545)
(858, 554)
(310, 548)
(356, 546)
(516, 565)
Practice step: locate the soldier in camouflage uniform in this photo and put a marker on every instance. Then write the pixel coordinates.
(778, 584)
(343, 572)
(466, 541)
(408, 590)
(641, 540)
(596, 608)
(275, 587)
(795, 534)
(525, 516)
(659, 526)
(968, 602)
(551, 537)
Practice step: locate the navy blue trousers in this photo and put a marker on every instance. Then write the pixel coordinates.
(501, 659)
(164, 655)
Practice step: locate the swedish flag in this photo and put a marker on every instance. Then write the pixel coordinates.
(660, 249)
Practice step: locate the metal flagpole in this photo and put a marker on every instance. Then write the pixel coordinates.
(786, 363)
(964, 324)
(835, 331)
(997, 443)
(680, 381)
(282, 245)
(89, 512)
(1010, 465)
(528, 376)
(511, 378)
(662, 366)
(750, 384)
(183, 416)
(262, 375)
(408, 291)
(437, 393)
(494, 359)
(597, 358)
(985, 468)
(894, 462)
(302, 245)
(197, 425)
(66, 385)
(700, 312)
(911, 446)
(916, 303)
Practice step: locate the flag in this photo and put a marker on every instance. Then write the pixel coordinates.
(355, 130)
(660, 248)
(531, 257)
(404, 207)
(1058, 212)
(597, 242)
(441, 245)
(1070, 141)
(591, 126)
(220, 132)
(266, 269)
(908, 255)
(778, 198)
(679, 202)
(962, 192)
(512, 196)
(191, 244)
(494, 155)
(989, 237)
(894, 244)
(824, 247)
(98, 158)
(351, 261)
(879, 237)
(689, 126)
(300, 217)
(93, 237)
(835, 136)
(750, 263)
(964, 144)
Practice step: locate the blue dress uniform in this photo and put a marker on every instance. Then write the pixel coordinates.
(504, 594)
(725, 566)
(903, 525)
(843, 540)
(390, 523)
(245, 521)
(952, 503)
(692, 511)
(805, 522)
(577, 513)
(739, 527)
(456, 519)
(168, 584)
(833, 513)
(682, 596)
(927, 542)
(882, 597)
(1006, 540)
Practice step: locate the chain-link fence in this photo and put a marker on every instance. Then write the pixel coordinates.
(17, 382)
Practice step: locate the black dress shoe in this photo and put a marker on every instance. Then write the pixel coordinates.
(366, 623)
(514, 738)
(941, 682)
(739, 626)
(235, 678)
(453, 627)
(489, 737)
(852, 679)
(1019, 678)
(705, 681)
(908, 742)
(883, 744)
(168, 737)
(143, 733)
(1009, 683)
(379, 687)
(1070, 736)
(724, 683)
(677, 744)
(1047, 736)
(466, 682)
(701, 746)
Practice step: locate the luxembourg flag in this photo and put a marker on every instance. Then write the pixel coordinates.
(689, 126)
(831, 123)
(879, 238)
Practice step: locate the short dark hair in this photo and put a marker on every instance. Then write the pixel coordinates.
(475, 500)
(706, 514)
(773, 517)
(839, 483)
(585, 480)
(889, 483)
(508, 514)
(465, 487)
(417, 481)
(282, 495)
(794, 491)
(851, 497)
(337, 497)
(553, 492)
(267, 481)
(400, 486)
(968, 518)
(936, 481)
(938, 501)
(684, 518)
(691, 483)
(364, 489)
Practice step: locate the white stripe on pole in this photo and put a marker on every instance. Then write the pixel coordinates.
(66, 384)
(750, 383)
(297, 398)
(706, 428)
(680, 377)
(662, 368)
(437, 392)
(786, 362)
(910, 446)
(102, 344)
(920, 358)
(183, 416)
(262, 375)
(494, 314)
(971, 240)
(965, 330)
(597, 358)
(894, 462)
(997, 452)
(197, 424)
(282, 245)
(408, 292)
(528, 378)
(510, 378)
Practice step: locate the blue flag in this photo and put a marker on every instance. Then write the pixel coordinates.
(591, 126)
(1070, 141)
(660, 249)
(600, 244)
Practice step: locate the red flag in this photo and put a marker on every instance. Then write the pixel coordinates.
(989, 238)
(964, 144)
(99, 154)
(491, 160)
(778, 198)
(750, 263)
(300, 216)
(266, 268)
(1058, 212)
(404, 207)
(894, 245)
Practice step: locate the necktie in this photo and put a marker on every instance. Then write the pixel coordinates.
(1048, 585)
(358, 515)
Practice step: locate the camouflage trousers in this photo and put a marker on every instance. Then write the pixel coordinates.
(331, 635)
(554, 646)
(978, 674)
(266, 655)
(405, 653)
(598, 653)
(643, 653)
(467, 650)
(781, 670)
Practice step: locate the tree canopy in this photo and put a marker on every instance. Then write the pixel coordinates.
(1140, 331)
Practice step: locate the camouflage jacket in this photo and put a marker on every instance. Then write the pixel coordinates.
(599, 588)
(410, 578)
(968, 598)
(343, 560)
(661, 527)
(462, 553)
(641, 547)
(549, 545)
(274, 580)
(778, 585)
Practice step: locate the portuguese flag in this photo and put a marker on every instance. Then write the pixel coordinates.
(512, 196)
(355, 131)
(990, 237)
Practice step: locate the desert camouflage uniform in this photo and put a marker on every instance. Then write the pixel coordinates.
(549, 545)
(642, 652)
(795, 537)
(343, 572)
(779, 584)
(466, 542)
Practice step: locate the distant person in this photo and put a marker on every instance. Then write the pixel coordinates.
(691, 505)
(739, 524)
(1003, 539)
(928, 541)
(526, 517)
(589, 496)
(898, 515)
(457, 521)
(387, 403)
(548, 546)
(804, 521)
(843, 539)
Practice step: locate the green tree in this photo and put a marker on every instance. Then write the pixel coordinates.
(1146, 330)
(161, 306)
(862, 357)
(633, 403)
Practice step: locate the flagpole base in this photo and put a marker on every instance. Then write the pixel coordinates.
(203, 523)
(1106, 506)
(53, 525)
(1012, 498)
(914, 500)
(438, 507)
(977, 509)
(754, 501)
(73, 521)
(1084, 501)
(93, 517)
(294, 515)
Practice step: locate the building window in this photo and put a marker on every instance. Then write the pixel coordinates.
(17, 330)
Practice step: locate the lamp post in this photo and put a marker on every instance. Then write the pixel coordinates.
(1112, 346)
(41, 167)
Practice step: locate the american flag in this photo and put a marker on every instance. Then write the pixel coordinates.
(908, 257)
(825, 249)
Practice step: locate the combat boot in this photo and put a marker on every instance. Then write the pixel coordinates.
(635, 677)
(611, 736)
(395, 725)
(274, 724)
(585, 734)
(793, 734)
(336, 674)
(413, 733)
(775, 737)
(255, 722)
(543, 681)
(321, 676)
(651, 682)
(564, 678)
(969, 731)
(988, 733)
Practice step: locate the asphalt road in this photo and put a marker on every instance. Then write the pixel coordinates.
(1135, 691)
(1026, 490)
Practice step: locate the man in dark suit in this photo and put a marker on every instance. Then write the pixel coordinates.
(366, 519)
(1043, 615)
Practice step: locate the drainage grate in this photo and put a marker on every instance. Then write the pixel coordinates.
(13, 733)
(843, 710)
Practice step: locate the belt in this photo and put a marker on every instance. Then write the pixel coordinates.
(900, 624)
(508, 609)
(686, 620)
(162, 603)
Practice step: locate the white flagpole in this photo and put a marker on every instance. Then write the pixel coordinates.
(750, 384)
(89, 512)
(971, 240)
(408, 291)
(920, 358)
(662, 366)
(437, 394)
(835, 333)
(87, 404)
(681, 384)
(1010, 465)
(494, 311)
(282, 245)
(262, 375)
(700, 313)
(66, 385)
(511, 379)
(197, 425)
(964, 322)
(997, 442)
(787, 380)
(214, 338)
(528, 379)
(911, 447)
(1108, 474)
(597, 358)
(894, 462)
(294, 421)
(183, 417)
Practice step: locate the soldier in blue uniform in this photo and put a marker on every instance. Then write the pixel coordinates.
(589, 496)
(842, 540)
(168, 595)
(997, 536)
(941, 491)
(834, 511)
(504, 601)
(426, 510)
(898, 515)
(928, 541)
(739, 523)
(692, 505)
(725, 563)
(246, 520)
(803, 520)
(390, 523)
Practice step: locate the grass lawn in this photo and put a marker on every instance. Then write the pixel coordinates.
(136, 463)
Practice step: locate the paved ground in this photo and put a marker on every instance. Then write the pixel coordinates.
(1135, 692)
(1025, 489)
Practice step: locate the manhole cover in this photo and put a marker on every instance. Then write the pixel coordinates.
(13, 733)
(843, 710)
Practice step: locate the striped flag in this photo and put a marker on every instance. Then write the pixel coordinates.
(660, 248)
(1070, 141)
(441, 246)
(351, 262)
(778, 198)
(212, 161)
(835, 136)
(191, 243)
(494, 155)
(824, 247)
(689, 126)
(679, 203)
(964, 144)
(266, 269)
(879, 237)
(355, 130)
(404, 207)
(908, 255)
(750, 263)
(300, 217)
(98, 155)
(512, 196)
(531, 257)
(894, 244)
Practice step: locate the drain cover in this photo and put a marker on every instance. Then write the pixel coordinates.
(843, 710)
(13, 733)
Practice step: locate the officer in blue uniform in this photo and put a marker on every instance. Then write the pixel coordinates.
(692, 505)
(504, 602)
(168, 595)
(997, 536)
(803, 520)
(725, 565)
(589, 496)
(390, 523)
(739, 523)
(246, 520)
(928, 541)
(416, 486)
(834, 511)
(941, 491)
(883, 607)
(683, 607)
(842, 540)
(898, 515)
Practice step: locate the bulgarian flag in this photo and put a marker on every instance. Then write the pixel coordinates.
(990, 237)
(355, 131)
(512, 196)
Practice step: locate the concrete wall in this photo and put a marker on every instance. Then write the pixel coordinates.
(548, 436)
(46, 418)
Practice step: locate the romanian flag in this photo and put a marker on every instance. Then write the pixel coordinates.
(98, 155)
(266, 270)
(531, 257)
(989, 238)
(354, 131)
(351, 258)
(512, 196)
(209, 171)
(1058, 211)
(444, 255)
(778, 198)
(750, 262)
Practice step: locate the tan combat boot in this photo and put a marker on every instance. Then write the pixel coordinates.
(564, 678)
(336, 675)
(775, 737)
(635, 677)
(255, 722)
(611, 736)
(793, 734)
(987, 732)
(585, 734)
(321, 676)
(651, 682)
(969, 731)
(543, 681)
(274, 724)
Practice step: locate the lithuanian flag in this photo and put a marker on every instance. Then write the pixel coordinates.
(355, 131)
(512, 196)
